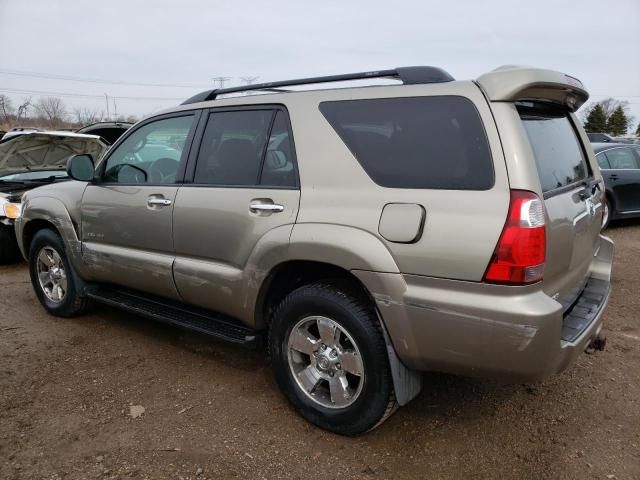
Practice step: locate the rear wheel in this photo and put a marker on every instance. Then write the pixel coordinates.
(52, 276)
(330, 359)
(9, 251)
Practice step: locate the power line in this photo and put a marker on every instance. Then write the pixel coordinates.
(614, 96)
(54, 76)
(83, 95)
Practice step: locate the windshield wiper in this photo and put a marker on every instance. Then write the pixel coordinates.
(11, 182)
(49, 179)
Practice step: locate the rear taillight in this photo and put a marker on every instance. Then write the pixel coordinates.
(519, 256)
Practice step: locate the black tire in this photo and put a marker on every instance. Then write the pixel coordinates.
(376, 400)
(72, 304)
(9, 251)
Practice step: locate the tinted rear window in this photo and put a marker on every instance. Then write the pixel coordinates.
(556, 148)
(418, 142)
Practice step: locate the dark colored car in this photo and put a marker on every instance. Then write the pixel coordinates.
(599, 137)
(109, 131)
(620, 165)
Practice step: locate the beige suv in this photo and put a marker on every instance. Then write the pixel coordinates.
(363, 234)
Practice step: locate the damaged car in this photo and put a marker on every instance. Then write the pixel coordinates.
(28, 161)
(31, 157)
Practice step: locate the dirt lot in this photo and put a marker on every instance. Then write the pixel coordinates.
(67, 388)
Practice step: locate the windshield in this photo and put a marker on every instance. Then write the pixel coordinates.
(557, 150)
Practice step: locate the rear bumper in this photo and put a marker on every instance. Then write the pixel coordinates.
(514, 333)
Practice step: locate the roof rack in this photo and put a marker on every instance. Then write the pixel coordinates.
(408, 76)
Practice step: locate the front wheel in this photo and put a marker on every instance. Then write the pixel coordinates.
(52, 276)
(606, 213)
(330, 359)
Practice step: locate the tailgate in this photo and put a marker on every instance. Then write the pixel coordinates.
(571, 189)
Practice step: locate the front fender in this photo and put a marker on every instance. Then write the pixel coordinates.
(53, 211)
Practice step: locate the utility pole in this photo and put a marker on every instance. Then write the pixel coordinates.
(115, 110)
(220, 80)
(106, 99)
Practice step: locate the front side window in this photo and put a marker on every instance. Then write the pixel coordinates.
(556, 148)
(151, 154)
(603, 163)
(232, 147)
(621, 158)
(416, 142)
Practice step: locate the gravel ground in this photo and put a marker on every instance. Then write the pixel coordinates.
(70, 389)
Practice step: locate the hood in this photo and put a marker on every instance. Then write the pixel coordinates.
(46, 150)
(109, 131)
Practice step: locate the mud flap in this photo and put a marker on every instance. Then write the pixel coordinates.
(407, 383)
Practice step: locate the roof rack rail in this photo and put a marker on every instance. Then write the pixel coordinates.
(408, 76)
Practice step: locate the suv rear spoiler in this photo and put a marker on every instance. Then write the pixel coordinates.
(512, 83)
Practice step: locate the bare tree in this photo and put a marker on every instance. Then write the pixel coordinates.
(52, 109)
(132, 119)
(23, 108)
(610, 104)
(6, 108)
(87, 116)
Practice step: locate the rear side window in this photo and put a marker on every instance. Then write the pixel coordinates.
(556, 148)
(416, 142)
(232, 147)
(279, 169)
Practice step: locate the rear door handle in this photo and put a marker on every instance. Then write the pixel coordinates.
(158, 202)
(266, 206)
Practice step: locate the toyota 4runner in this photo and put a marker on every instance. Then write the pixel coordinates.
(363, 234)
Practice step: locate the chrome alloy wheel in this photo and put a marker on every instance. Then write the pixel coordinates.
(325, 362)
(51, 274)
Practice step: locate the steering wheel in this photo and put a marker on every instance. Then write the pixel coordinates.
(163, 170)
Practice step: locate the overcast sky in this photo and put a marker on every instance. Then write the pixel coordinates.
(187, 42)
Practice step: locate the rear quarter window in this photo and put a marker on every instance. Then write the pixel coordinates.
(556, 147)
(416, 142)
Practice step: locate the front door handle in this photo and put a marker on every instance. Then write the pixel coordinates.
(613, 176)
(266, 206)
(158, 202)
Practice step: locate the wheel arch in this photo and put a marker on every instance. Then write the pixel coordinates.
(49, 212)
(30, 229)
(285, 277)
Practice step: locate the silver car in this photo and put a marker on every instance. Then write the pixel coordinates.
(364, 235)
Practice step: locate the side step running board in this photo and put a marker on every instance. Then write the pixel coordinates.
(190, 318)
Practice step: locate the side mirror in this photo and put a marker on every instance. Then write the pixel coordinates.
(81, 168)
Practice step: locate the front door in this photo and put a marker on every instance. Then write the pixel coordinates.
(244, 190)
(624, 178)
(127, 215)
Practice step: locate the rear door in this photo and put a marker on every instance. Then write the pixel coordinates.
(243, 186)
(567, 180)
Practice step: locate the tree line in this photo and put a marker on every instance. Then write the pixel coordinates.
(609, 116)
(50, 113)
